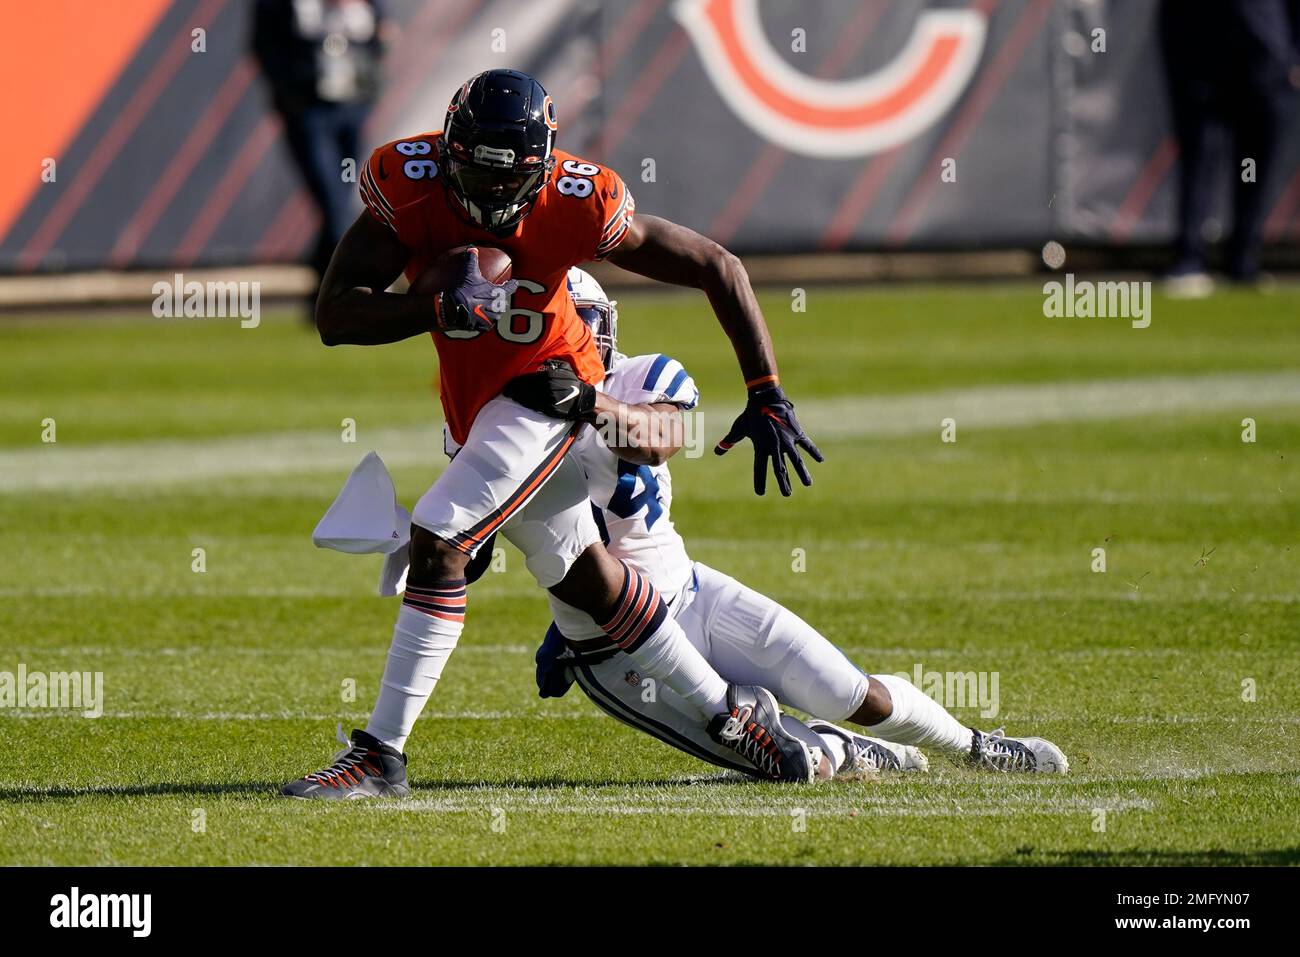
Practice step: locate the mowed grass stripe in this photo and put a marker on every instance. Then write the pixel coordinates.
(1039, 806)
(168, 462)
(30, 714)
(1011, 406)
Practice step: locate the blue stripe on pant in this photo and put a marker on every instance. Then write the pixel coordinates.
(615, 707)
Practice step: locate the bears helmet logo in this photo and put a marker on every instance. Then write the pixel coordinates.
(827, 118)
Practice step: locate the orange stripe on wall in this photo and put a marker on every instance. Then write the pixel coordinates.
(57, 63)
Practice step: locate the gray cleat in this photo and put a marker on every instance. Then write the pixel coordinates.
(366, 768)
(866, 756)
(752, 728)
(994, 751)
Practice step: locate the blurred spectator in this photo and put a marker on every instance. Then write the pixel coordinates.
(1232, 66)
(321, 59)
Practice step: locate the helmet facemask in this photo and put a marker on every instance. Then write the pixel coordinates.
(495, 196)
(602, 319)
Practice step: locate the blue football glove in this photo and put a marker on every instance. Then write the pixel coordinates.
(482, 560)
(472, 304)
(768, 421)
(553, 676)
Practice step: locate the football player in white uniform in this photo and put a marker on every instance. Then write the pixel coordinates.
(746, 636)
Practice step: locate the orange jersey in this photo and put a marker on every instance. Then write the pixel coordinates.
(582, 213)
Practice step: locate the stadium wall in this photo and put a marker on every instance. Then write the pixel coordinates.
(772, 125)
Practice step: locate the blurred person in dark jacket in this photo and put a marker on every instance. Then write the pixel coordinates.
(321, 60)
(1234, 66)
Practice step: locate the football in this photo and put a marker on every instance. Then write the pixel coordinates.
(493, 263)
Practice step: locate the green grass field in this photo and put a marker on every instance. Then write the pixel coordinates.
(1172, 680)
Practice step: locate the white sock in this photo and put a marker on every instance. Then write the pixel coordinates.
(642, 627)
(835, 749)
(427, 629)
(833, 746)
(919, 720)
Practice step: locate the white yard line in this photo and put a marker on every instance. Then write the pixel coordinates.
(1129, 596)
(1012, 406)
(964, 809)
(28, 714)
(170, 462)
(109, 651)
(957, 658)
(1161, 720)
(681, 797)
(83, 590)
(1031, 597)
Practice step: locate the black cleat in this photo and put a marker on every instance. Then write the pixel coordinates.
(367, 768)
(752, 728)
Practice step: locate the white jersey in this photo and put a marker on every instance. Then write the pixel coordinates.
(635, 500)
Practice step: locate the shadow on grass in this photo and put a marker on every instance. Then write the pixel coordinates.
(37, 793)
(40, 793)
(1139, 857)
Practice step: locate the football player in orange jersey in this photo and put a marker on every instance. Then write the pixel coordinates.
(493, 177)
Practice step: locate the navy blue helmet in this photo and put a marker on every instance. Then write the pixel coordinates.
(497, 147)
